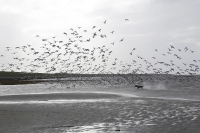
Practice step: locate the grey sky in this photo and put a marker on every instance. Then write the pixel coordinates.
(153, 24)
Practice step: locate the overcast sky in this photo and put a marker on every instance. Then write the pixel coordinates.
(153, 24)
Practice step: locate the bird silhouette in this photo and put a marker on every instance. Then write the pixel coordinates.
(121, 40)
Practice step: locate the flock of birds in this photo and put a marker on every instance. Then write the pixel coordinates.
(73, 56)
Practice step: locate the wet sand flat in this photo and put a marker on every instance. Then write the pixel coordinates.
(98, 110)
(127, 115)
(57, 96)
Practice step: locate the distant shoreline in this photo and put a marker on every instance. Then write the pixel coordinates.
(15, 78)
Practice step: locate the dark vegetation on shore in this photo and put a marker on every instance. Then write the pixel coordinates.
(14, 78)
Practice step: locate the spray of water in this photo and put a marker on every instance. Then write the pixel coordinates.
(154, 86)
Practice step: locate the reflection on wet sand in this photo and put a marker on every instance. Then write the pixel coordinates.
(98, 109)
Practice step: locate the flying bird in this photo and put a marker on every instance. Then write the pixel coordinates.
(121, 40)
(192, 51)
(185, 49)
(172, 46)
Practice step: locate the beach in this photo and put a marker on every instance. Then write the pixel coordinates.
(97, 109)
(100, 66)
